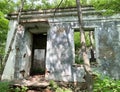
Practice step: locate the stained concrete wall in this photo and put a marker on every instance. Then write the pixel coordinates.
(108, 49)
(8, 72)
(20, 56)
(107, 37)
(23, 54)
(60, 43)
(59, 56)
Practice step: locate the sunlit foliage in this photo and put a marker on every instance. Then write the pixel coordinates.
(111, 6)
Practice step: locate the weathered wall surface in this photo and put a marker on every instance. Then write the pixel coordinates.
(20, 55)
(107, 37)
(23, 53)
(59, 57)
(60, 43)
(8, 72)
(108, 49)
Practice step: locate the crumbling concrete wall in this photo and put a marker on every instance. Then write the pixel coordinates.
(107, 37)
(8, 72)
(108, 49)
(23, 54)
(19, 59)
(60, 54)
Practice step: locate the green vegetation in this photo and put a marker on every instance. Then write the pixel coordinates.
(101, 84)
(78, 57)
(56, 88)
(106, 84)
(111, 6)
(22, 89)
(47, 4)
(4, 86)
(77, 40)
(5, 8)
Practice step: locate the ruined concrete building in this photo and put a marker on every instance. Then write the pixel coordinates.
(50, 39)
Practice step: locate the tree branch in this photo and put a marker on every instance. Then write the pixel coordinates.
(57, 8)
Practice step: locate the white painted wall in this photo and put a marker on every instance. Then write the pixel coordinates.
(8, 73)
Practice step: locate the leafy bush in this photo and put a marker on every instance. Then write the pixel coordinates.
(56, 88)
(106, 84)
(4, 86)
(53, 84)
(78, 59)
(77, 40)
(22, 89)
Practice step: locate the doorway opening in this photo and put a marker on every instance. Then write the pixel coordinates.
(38, 54)
(90, 45)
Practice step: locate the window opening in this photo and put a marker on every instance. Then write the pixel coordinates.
(90, 46)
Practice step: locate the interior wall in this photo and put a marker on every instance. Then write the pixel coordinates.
(38, 67)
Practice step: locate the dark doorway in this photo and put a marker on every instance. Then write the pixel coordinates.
(39, 54)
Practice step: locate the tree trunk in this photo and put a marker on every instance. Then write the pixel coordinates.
(88, 76)
(0, 63)
(92, 59)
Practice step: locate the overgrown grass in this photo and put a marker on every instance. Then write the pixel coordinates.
(4, 86)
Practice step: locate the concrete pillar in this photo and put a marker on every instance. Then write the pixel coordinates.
(59, 56)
